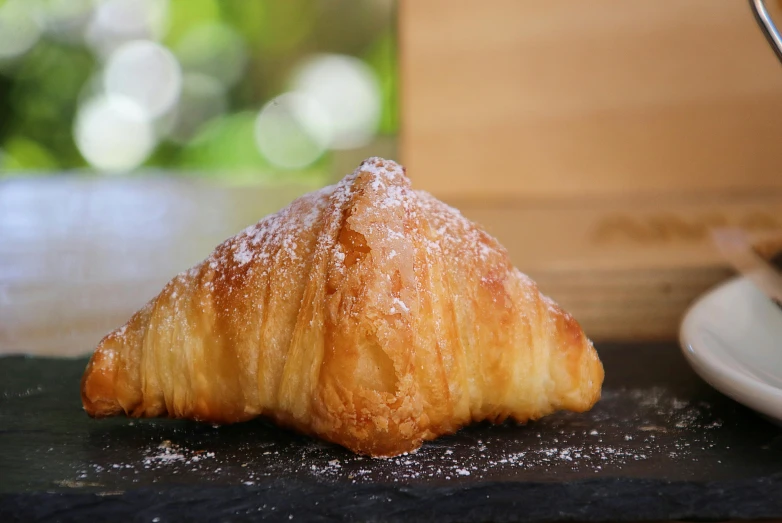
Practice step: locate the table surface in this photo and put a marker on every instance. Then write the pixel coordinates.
(79, 255)
(661, 444)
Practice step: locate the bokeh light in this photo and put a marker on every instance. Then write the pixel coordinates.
(66, 20)
(146, 73)
(348, 91)
(115, 22)
(19, 28)
(187, 86)
(292, 131)
(114, 134)
(203, 98)
(91, 88)
(215, 50)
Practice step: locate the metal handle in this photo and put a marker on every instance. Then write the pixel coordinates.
(767, 25)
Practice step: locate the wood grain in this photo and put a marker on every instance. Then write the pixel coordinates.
(601, 97)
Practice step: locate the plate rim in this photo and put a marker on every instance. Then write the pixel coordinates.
(749, 391)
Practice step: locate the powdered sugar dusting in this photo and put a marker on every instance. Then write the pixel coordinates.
(550, 304)
(110, 355)
(388, 182)
(629, 427)
(289, 239)
(243, 254)
(167, 453)
(401, 305)
(276, 237)
(383, 170)
(455, 235)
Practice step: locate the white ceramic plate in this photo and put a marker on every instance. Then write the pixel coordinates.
(732, 337)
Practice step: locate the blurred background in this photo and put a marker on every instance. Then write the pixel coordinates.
(136, 135)
(245, 92)
(598, 140)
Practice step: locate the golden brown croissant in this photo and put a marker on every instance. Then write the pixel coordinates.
(367, 314)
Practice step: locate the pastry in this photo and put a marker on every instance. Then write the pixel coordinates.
(366, 314)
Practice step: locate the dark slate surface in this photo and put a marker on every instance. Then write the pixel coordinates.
(661, 444)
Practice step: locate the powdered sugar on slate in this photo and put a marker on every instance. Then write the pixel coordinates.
(626, 429)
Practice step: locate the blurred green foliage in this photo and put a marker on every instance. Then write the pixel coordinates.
(40, 90)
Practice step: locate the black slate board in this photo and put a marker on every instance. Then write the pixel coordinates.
(661, 444)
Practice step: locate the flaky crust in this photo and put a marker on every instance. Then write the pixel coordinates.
(366, 314)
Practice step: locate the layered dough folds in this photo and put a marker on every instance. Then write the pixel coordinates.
(367, 314)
